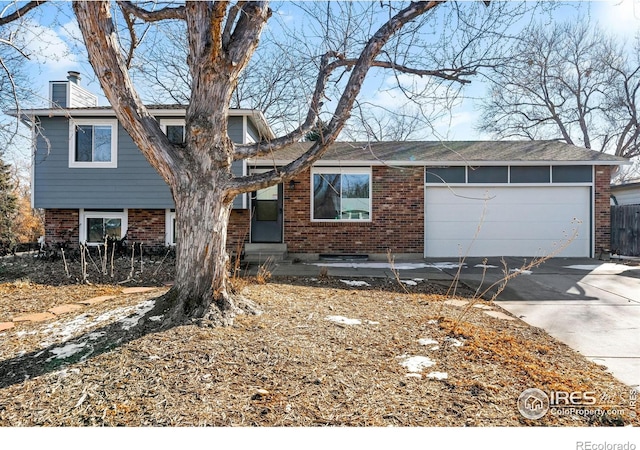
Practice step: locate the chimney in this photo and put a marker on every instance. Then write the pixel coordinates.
(69, 93)
(74, 76)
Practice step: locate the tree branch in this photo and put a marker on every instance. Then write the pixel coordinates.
(98, 30)
(21, 12)
(264, 148)
(342, 112)
(152, 16)
(445, 74)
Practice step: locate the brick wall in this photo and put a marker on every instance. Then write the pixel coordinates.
(144, 225)
(147, 226)
(602, 208)
(62, 225)
(397, 218)
(238, 229)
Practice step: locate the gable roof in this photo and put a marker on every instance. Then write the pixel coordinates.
(437, 153)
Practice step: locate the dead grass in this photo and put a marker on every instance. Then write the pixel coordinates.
(293, 367)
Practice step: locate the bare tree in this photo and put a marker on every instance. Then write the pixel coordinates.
(571, 82)
(222, 39)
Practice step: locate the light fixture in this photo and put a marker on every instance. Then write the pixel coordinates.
(292, 184)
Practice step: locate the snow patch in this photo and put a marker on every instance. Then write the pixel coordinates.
(66, 351)
(416, 364)
(454, 342)
(343, 320)
(355, 283)
(520, 271)
(142, 309)
(383, 265)
(486, 266)
(427, 341)
(409, 282)
(438, 375)
(156, 318)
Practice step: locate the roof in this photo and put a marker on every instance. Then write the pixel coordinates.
(439, 153)
(156, 110)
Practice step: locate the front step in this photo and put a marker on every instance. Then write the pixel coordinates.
(260, 253)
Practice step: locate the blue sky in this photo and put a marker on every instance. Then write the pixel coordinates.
(55, 46)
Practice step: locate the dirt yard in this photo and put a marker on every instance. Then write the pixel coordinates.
(322, 353)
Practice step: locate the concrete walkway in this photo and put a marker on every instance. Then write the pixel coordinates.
(593, 306)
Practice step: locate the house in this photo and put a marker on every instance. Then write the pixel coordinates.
(627, 193)
(415, 199)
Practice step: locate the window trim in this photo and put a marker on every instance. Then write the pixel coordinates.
(342, 171)
(113, 123)
(123, 215)
(173, 122)
(169, 228)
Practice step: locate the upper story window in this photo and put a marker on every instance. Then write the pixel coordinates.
(93, 143)
(174, 129)
(341, 194)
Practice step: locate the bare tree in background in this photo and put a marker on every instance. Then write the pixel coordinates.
(571, 82)
(13, 80)
(443, 41)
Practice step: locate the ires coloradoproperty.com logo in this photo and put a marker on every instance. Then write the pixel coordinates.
(534, 404)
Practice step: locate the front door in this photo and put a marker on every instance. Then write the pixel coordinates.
(266, 215)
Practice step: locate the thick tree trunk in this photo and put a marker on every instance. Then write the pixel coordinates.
(200, 287)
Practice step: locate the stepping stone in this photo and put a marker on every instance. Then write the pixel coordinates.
(137, 290)
(498, 315)
(37, 317)
(6, 325)
(481, 306)
(62, 309)
(96, 300)
(454, 302)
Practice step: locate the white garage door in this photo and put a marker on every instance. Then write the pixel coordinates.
(514, 221)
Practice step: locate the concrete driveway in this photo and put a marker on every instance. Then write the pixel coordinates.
(593, 306)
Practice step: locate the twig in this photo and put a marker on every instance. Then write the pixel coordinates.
(396, 272)
(155, 272)
(113, 252)
(133, 253)
(66, 267)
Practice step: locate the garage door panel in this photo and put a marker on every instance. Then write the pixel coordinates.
(521, 230)
(492, 248)
(517, 221)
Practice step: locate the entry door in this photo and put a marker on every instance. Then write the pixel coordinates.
(266, 215)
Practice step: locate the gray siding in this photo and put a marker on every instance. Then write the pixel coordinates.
(252, 131)
(235, 129)
(133, 184)
(59, 95)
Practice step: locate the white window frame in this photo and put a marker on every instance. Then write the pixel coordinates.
(169, 229)
(342, 171)
(73, 123)
(84, 215)
(173, 122)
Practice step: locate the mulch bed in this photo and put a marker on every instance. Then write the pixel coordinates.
(323, 353)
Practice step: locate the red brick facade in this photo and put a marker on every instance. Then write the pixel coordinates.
(238, 230)
(147, 226)
(397, 217)
(62, 225)
(602, 209)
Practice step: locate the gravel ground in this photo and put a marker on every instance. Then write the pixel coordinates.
(323, 353)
